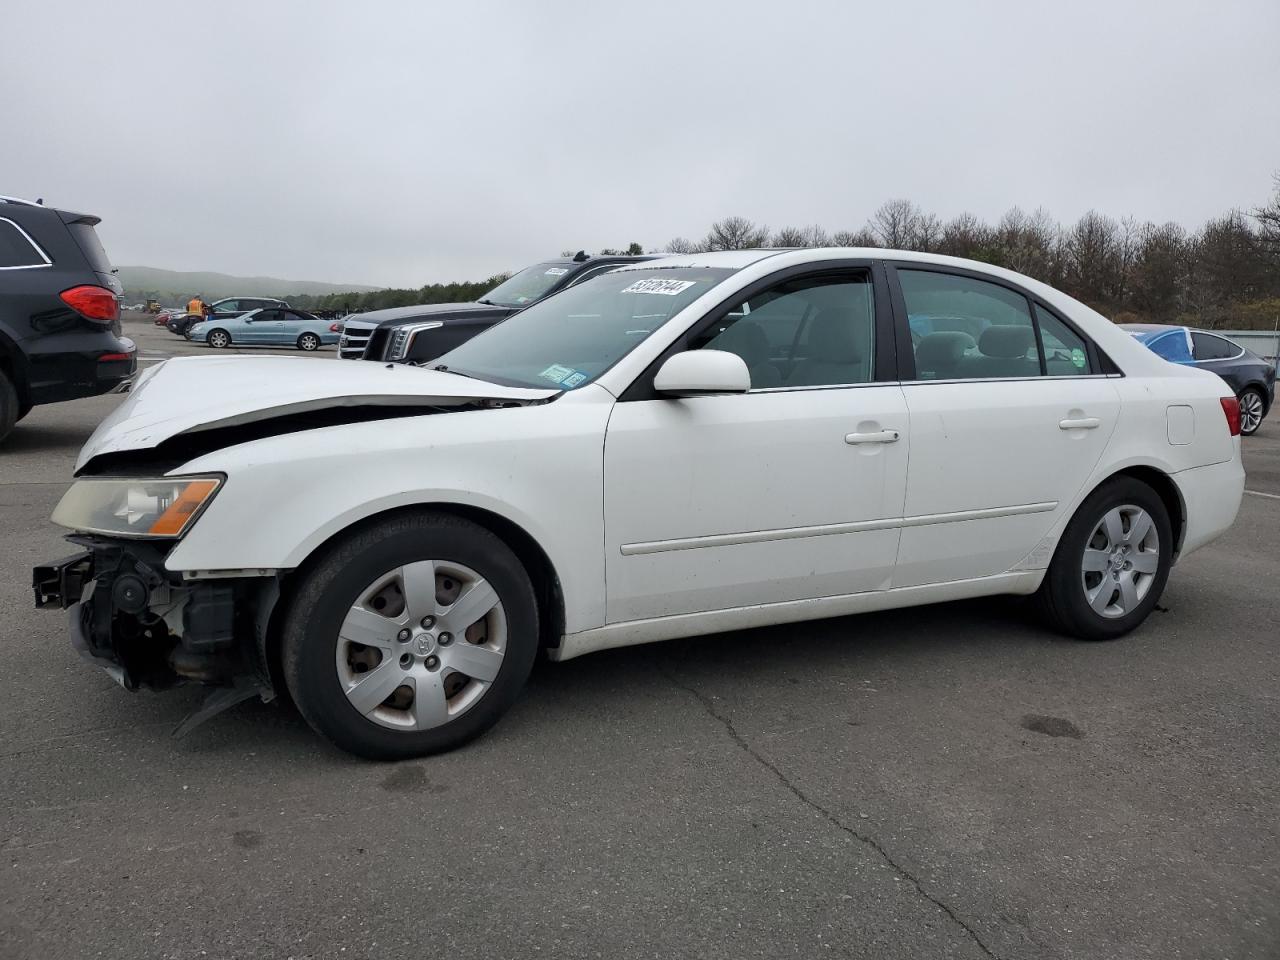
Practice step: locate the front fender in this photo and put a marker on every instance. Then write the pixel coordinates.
(539, 467)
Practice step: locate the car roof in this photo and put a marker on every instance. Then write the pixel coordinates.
(1150, 327)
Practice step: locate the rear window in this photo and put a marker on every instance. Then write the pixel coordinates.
(15, 249)
(86, 239)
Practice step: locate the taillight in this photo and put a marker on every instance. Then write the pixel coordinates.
(92, 303)
(335, 328)
(1231, 407)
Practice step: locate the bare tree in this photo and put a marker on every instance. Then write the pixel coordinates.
(789, 237)
(894, 224)
(927, 233)
(815, 236)
(854, 238)
(735, 233)
(681, 245)
(966, 236)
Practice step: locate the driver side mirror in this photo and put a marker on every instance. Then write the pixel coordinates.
(697, 373)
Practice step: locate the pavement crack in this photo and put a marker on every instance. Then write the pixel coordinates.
(799, 794)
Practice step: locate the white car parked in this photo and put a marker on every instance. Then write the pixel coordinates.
(687, 445)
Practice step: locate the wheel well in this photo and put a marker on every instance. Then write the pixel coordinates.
(15, 374)
(1261, 389)
(1167, 490)
(546, 583)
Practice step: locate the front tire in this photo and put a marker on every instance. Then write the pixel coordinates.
(308, 342)
(411, 637)
(1252, 409)
(9, 412)
(1111, 564)
(218, 339)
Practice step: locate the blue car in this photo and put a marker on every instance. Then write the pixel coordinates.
(1251, 377)
(281, 326)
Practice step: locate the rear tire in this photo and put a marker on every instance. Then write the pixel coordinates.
(1252, 409)
(308, 342)
(1111, 564)
(371, 584)
(9, 412)
(218, 339)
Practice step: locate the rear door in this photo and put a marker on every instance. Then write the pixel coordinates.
(1006, 426)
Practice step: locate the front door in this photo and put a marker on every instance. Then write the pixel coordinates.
(789, 492)
(1009, 416)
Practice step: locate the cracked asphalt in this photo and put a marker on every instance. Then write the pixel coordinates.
(948, 781)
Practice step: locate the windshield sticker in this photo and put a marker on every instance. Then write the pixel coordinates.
(1078, 358)
(556, 373)
(668, 288)
(557, 272)
(573, 379)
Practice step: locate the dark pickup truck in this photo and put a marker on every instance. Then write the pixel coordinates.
(422, 333)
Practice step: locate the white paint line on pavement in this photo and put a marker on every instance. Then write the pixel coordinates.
(1259, 493)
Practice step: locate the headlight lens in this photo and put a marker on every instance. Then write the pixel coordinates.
(163, 507)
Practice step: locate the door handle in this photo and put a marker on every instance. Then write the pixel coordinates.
(880, 436)
(1084, 423)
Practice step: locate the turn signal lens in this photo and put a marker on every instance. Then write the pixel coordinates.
(93, 303)
(1231, 407)
(179, 514)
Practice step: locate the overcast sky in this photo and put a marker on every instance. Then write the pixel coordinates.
(402, 143)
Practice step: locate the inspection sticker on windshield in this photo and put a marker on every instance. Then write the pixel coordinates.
(668, 288)
(557, 272)
(565, 376)
(1078, 358)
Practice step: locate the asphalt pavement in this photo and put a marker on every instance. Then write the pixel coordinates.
(948, 781)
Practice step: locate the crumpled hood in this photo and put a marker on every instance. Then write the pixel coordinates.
(193, 394)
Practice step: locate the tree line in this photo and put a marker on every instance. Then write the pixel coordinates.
(1225, 275)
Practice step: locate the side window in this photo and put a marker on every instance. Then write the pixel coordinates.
(1065, 351)
(267, 316)
(228, 306)
(1172, 346)
(16, 250)
(1205, 346)
(967, 329)
(802, 333)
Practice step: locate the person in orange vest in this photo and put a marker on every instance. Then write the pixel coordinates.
(195, 307)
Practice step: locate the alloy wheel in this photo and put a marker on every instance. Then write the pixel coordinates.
(421, 645)
(1120, 562)
(1250, 411)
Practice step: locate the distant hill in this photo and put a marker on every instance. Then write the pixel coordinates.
(140, 282)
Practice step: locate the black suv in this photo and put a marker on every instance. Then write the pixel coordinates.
(420, 334)
(60, 332)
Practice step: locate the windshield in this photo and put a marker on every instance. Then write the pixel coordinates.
(570, 339)
(530, 284)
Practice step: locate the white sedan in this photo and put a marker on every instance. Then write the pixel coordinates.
(688, 445)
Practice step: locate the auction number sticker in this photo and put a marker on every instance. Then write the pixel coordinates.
(667, 288)
(557, 272)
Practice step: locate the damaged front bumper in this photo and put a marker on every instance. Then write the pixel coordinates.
(149, 627)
